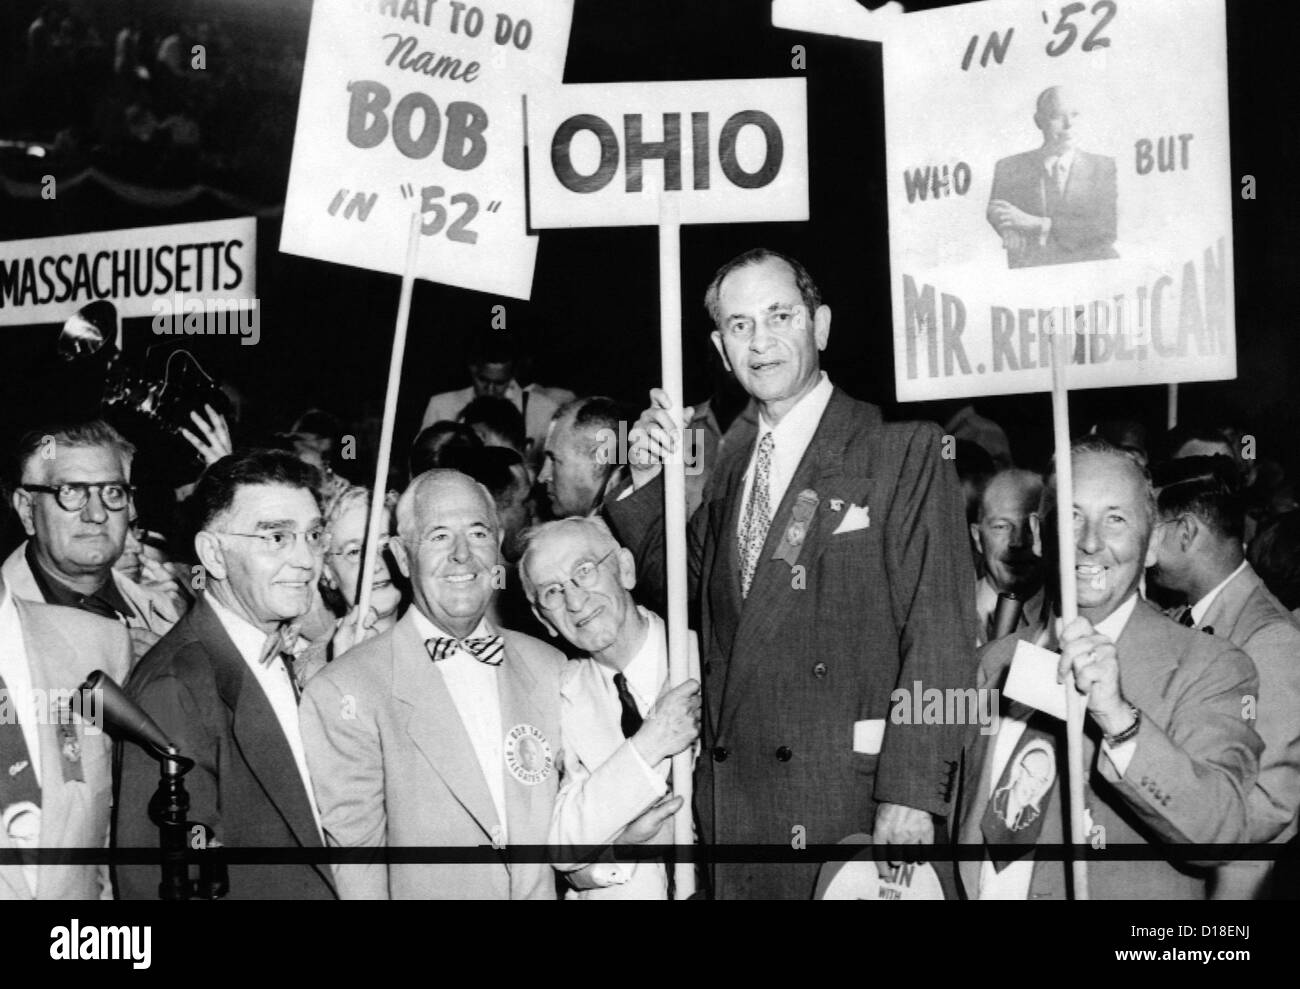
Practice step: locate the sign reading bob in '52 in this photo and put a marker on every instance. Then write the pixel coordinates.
(416, 105)
(1059, 167)
(736, 150)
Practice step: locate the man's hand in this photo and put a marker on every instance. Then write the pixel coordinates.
(654, 438)
(672, 725)
(142, 640)
(649, 824)
(898, 826)
(157, 577)
(1006, 217)
(1094, 663)
(215, 443)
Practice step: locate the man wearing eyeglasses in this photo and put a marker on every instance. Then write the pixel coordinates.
(445, 731)
(830, 568)
(620, 721)
(221, 684)
(73, 498)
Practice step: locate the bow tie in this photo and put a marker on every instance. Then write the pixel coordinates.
(284, 641)
(489, 649)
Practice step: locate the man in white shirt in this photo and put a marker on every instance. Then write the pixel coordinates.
(1056, 203)
(621, 723)
(1199, 555)
(221, 684)
(1176, 758)
(444, 732)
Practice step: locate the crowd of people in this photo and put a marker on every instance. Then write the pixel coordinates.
(498, 679)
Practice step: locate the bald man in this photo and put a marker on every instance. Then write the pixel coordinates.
(445, 731)
(1055, 204)
(1004, 541)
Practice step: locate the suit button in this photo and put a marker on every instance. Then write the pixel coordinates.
(819, 671)
(720, 754)
(784, 754)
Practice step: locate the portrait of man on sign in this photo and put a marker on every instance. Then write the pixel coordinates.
(1057, 203)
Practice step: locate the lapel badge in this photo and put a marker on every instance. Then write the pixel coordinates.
(70, 748)
(837, 504)
(528, 754)
(18, 767)
(801, 515)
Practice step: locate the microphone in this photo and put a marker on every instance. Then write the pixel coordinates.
(122, 716)
(1006, 616)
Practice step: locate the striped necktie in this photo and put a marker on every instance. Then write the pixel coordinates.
(758, 514)
(487, 649)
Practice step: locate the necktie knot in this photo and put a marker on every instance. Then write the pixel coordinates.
(487, 649)
(284, 641)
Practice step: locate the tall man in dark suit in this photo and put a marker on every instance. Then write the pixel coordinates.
(1199, 554)
(1168, 757)
(830, 567)
(221, 686)
(1056, 203)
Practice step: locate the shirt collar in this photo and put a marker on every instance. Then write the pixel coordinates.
(647, 670)
(1066, 158)
(247, 637)
(1112, 626)
(796, 428)
(55, 591)
(1202, 606)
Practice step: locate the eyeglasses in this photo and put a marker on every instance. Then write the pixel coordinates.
(551, 597)
(281, 542)
(73, 495)
(778, 319)
(352, 552)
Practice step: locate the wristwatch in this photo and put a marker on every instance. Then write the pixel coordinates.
(1128, 733)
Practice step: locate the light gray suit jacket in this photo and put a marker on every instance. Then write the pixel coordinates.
(1196, 759)
(64, 646)
(1258, 624)
(392, 765)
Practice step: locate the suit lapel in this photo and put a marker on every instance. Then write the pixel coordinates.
(1225, 610)
(592, 729)
(528, 807)
(255, 728)
(771, 593)
(435, 727)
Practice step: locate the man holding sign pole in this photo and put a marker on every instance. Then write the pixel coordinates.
(829, 565)
(1176, 756)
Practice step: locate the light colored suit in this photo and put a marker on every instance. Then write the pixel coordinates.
(1195, 761)
(64, 646)
(604, 783)
(393, 766)
(1257, 623)
(153, 610)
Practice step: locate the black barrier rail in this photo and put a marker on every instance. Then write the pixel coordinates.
(781, 854)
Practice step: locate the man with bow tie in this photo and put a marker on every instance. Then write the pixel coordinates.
(221, 683)
(1056, 203)
(444, 732)
(830, 567)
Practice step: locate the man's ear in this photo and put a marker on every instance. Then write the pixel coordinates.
(822, 326)
(22, 502)
(1153, 554)
(541, 617)
(1036, 530)
(716, 337)
(976, 538)
(626, 569)
(398, 549)
(211, 554)
(1189, 529)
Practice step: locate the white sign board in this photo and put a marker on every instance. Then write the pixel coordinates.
(140, 270)
(1059, 168)
(842, 18)
(417, 105)
(735, 150)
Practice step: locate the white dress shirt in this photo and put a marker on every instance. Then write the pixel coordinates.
(646, 674)
(273, 678)
(474, 691)
(790, 439)
(1013, 882)
(1202, 606)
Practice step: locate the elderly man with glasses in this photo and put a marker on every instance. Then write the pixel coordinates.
(620, 721)
(221, 684)
(73, 498)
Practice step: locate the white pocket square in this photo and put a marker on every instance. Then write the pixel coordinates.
(855, 518)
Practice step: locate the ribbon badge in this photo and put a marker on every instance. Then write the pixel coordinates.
(801, 516)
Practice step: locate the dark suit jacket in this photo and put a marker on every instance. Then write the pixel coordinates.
(1196, 759)
(1083, 216)
(245, 785)
(822, 645)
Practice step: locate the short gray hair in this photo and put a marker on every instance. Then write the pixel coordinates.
(1099, 445)
(405, 512)
(593, 524)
